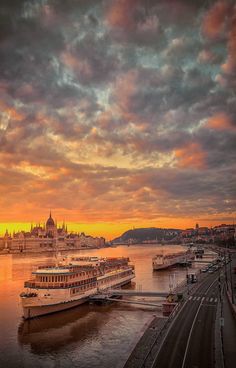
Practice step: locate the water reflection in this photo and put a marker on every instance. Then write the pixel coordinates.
(87, 336)
(54, 332)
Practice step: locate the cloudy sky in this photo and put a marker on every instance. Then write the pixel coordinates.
(117, 113)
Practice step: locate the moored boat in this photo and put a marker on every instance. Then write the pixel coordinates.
(162, 261)
(71, 283)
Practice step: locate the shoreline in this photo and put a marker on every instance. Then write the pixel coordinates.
(4, 252)
(49, 251)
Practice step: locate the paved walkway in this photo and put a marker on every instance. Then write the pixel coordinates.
(229, 334)
(140, 353)
(229, 328)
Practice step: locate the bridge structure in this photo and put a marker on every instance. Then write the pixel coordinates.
(201, 261)
(111, 294)
(143, 293)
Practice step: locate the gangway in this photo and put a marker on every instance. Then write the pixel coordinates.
(104, 298)
(201, 261)
(124, 292)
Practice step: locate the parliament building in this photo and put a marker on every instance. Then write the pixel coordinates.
(47, 237)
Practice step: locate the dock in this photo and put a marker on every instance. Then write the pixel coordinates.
(125, 292)
(110, 295)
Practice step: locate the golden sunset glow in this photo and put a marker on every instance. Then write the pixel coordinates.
(118, 115)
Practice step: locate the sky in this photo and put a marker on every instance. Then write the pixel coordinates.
(117, 114)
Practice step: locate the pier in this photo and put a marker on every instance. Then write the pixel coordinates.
(110, 294)
(125, 292)
(105, 298)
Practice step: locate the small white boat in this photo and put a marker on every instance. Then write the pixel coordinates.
(162, 261)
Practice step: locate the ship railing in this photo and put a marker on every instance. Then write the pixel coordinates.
(55, 285)
(28, 295)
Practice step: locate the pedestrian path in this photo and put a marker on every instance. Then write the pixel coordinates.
(229, 334)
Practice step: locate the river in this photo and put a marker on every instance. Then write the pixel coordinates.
(88, 336)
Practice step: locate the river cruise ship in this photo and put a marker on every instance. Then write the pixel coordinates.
(162, 261)
(71, 283)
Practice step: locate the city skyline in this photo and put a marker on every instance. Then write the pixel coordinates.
(12, 228)
(117, 114)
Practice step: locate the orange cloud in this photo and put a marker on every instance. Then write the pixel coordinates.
(79, 66)
(214, 22)
(125, 88)
(220, 121)
(191, 156)
(11, 112)
(230, 64)
(220, 19)
(121, 13)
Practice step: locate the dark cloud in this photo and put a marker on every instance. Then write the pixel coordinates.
(129, 102)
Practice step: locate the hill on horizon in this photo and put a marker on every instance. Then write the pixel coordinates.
(147, 234)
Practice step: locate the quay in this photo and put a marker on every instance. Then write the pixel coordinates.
(200, 332)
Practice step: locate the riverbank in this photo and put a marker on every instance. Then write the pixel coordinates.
(141, 351)
(50, 251)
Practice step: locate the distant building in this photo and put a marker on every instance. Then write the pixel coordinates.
(47, 237)
(204, 234)
(188, 233)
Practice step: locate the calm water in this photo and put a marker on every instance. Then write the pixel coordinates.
(86, 337)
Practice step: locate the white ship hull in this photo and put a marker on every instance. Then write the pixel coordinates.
(162, 267)
(36, 311)
(169, 263)
(35, 307)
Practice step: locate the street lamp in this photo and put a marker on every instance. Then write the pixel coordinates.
(226, 276)
(231, 280)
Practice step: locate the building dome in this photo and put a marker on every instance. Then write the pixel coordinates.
(50, 221)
